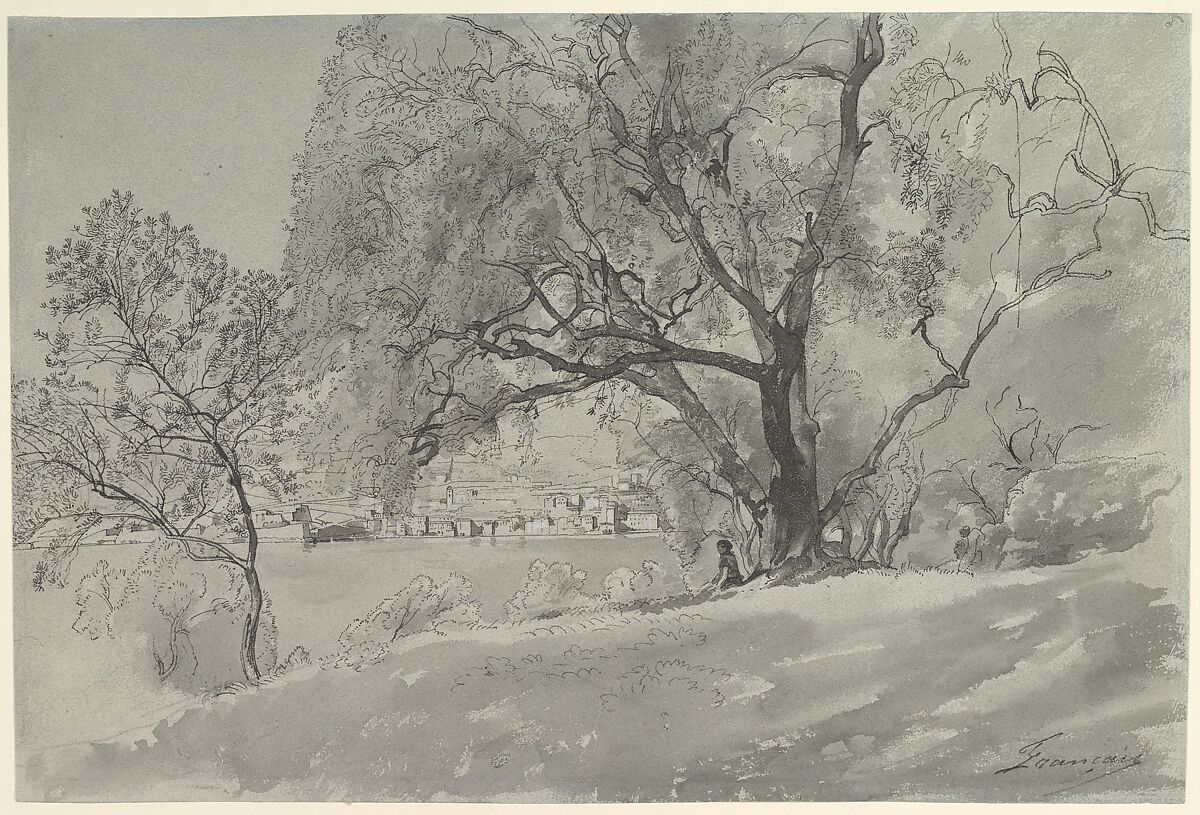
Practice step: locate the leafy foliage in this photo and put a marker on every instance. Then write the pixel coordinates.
(527, 212)
(901, 37)
(173, 389)
(549, 590)
(187, 617)
(39, 493)
(421, 605)
(1070, 510)
(624, 583)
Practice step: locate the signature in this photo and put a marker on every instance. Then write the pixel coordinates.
(1041, 755)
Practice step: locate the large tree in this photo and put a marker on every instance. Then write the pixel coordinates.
(522, 209)
(170, 399)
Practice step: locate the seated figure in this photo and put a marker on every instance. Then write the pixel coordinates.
(729, 575)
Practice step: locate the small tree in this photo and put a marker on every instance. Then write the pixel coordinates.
(1026, 441)
(169, 394)
(881, 506)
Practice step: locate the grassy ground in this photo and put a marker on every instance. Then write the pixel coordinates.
(910, 685)
(314, 596)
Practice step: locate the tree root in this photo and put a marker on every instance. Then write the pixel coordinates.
(794, 572)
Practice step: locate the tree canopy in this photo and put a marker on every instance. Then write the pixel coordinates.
(692, 206)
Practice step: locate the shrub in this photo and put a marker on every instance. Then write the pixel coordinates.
(421, 605)
(1062, 513)
(994, 543)
(623, 583)
(669, 685)
(188, 615)
(44, 575)
(97, 595)
(549, 590)
(298, 657)
(361, 654)
(500, 669)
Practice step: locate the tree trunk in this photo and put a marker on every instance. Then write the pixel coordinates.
(885, 534)
(250, 631)
(792, 530)
(868, 534)
(902, 530)
(165, 670)
(875, 526)
(254, 613)
(846, 546)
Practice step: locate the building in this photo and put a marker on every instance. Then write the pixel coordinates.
(511, 525)
(540, 525)
(338, 532)
(641, 514)
(640, 520)
(270, 518)
(583, 524)
(610, 515)
(476, 499)
(467, 528)
(464, 493)
(377, 522)
(441, 527)
(410, 526)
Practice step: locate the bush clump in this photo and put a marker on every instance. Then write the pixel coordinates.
(187, 616)
(550, 589)
(1072, 509)
(624, 584)
(422, 605)
(555, 589)
(670, 685)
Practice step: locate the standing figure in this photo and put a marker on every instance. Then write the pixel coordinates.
(966, 549)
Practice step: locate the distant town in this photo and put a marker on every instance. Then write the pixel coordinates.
(457, 500)
(465, 504)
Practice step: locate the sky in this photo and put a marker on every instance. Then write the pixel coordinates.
(199, 119)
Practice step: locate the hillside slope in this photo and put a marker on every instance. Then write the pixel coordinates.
(916, 686)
